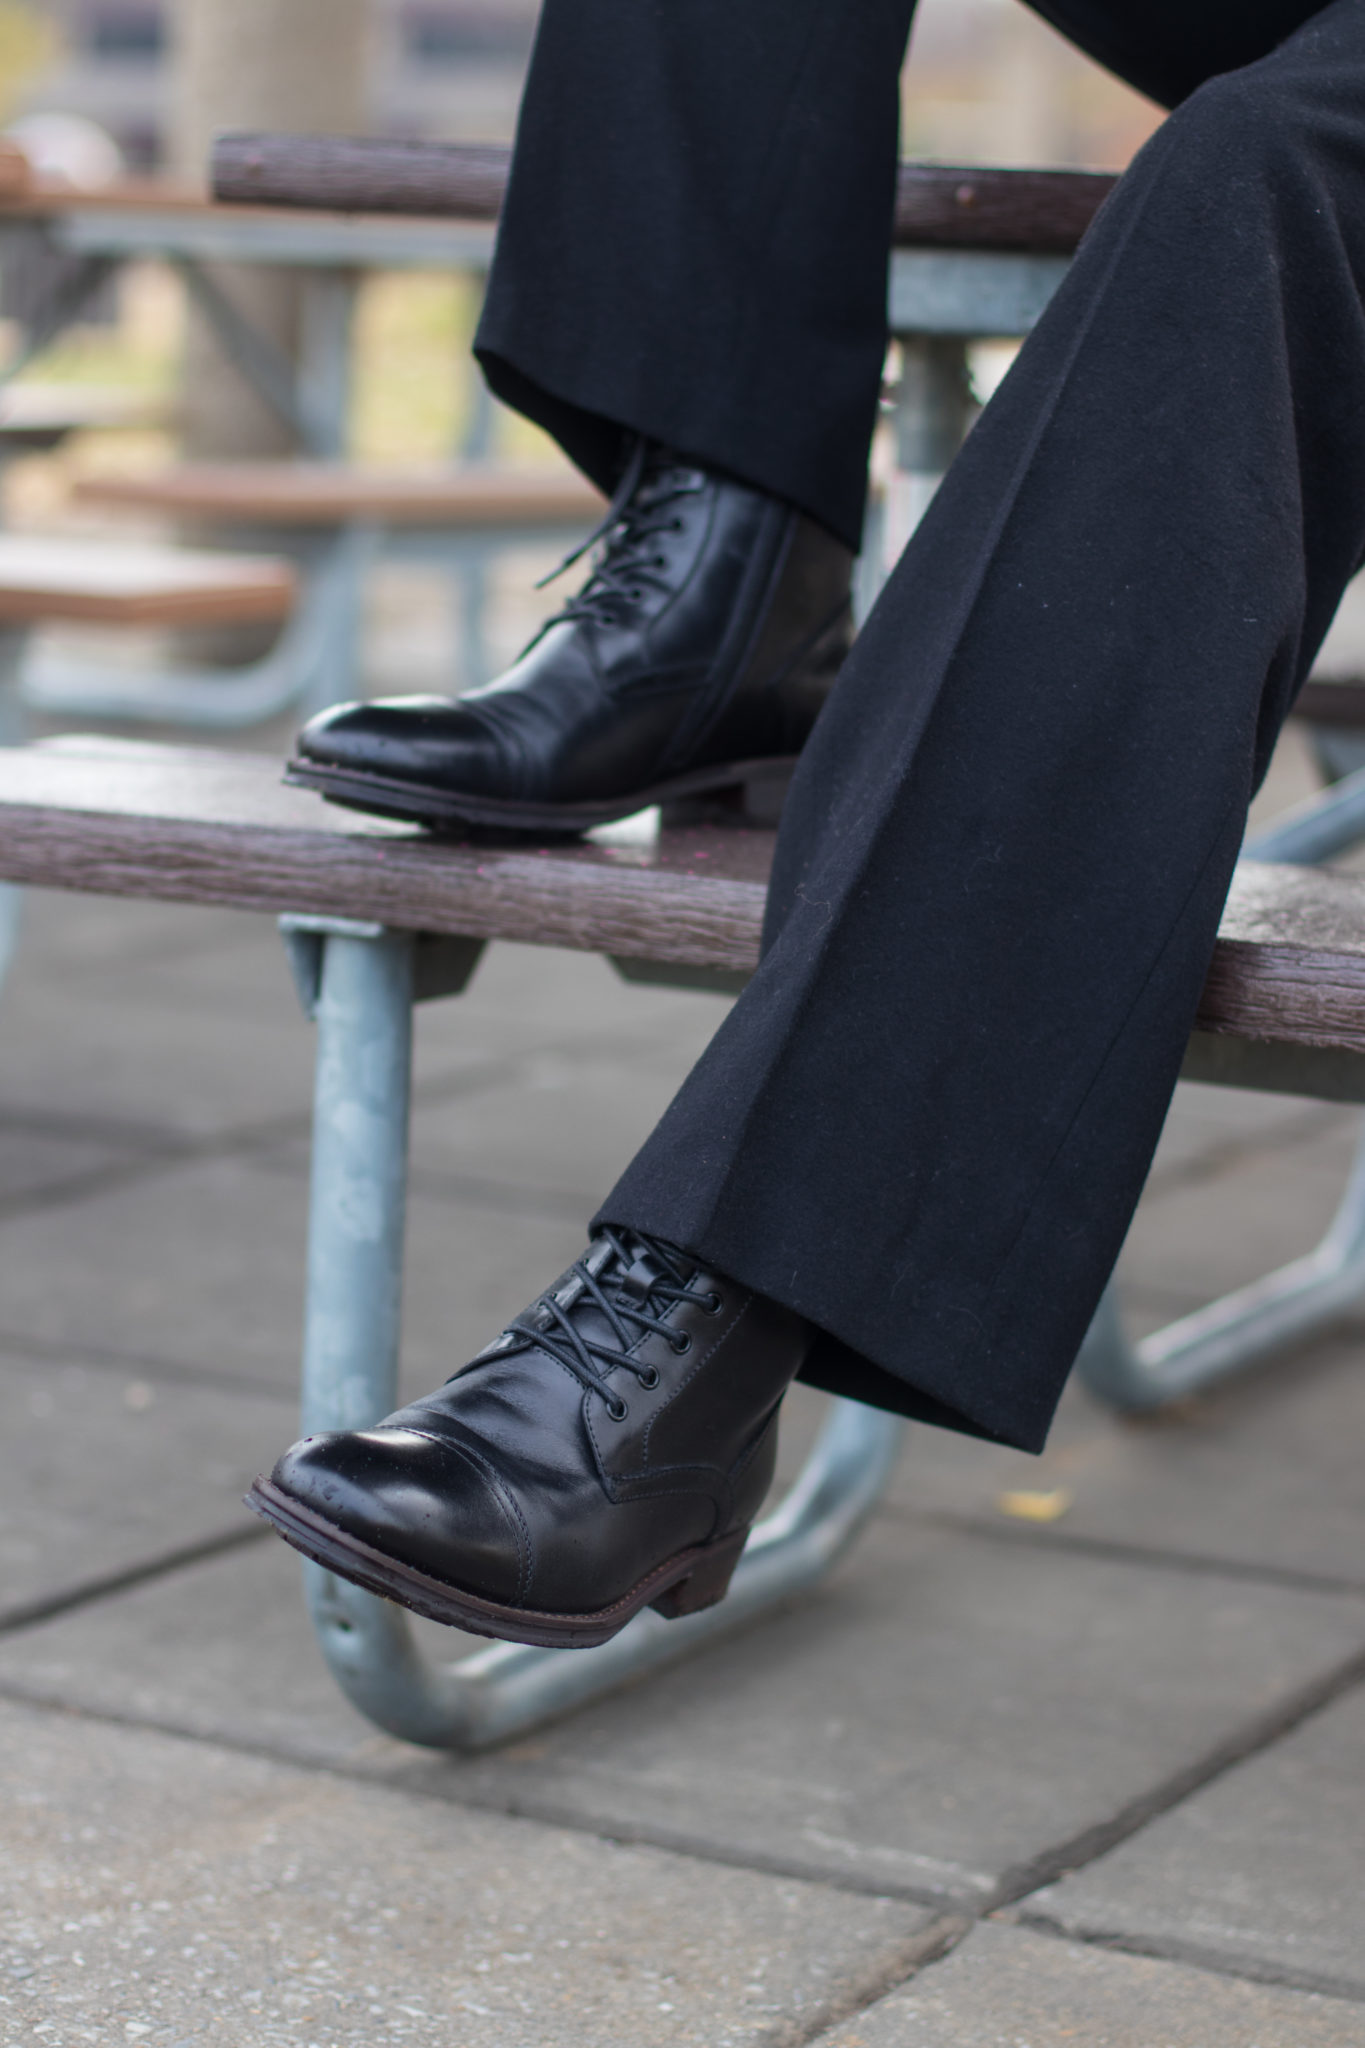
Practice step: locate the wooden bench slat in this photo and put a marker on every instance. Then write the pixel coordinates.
(326, 493)
(190, 826)
(1328, 702)
(99, 582)
(38, 416)
(194, 826)
(937, 205)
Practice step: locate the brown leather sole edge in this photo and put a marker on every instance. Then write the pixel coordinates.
(684, 1584)
(387, 796)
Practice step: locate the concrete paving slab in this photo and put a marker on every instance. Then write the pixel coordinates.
(38, 1162)
(1263, 1869)
(1007, 1989)
(101, 1472)
(942, 1711)
(202, 1265)
(1202, 1237)
(567, 1125)
(162, 1892)
(221, 1649)
(1208, 1128)
(1262, 1473)
(181, 1019)
(563, 997)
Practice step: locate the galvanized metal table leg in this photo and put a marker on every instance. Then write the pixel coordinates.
(933, 410)
(1229, 1334)
(360, 982)
(13, 640)
(1290, 1303)
(312, 664)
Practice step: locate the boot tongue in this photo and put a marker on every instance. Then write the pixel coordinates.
(630, 1284)
(667, 475)
(636, 1282)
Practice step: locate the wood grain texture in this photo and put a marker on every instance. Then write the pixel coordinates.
(937, 205)
(1289, 966)
(190, 825)
(962, 207)
(328, 493)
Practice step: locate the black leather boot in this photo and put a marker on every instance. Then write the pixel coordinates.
(694, 660)
(608, 1452)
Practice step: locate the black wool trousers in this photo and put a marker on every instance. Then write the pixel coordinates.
(927, 1121)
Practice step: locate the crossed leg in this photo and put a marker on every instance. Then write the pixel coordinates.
(905, 1165)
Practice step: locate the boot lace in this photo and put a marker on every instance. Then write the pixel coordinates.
(633, 1287)
(626, 561)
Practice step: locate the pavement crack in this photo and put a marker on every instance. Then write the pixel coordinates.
(1111, 1550)
(928, 1945)
(1211, 1162)
(172, 1150)
(1257, 1735)
(1218, 1962)
(175, 1372)
(87, 1592)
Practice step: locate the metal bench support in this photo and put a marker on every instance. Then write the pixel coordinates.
(360, 981)
(311, 664)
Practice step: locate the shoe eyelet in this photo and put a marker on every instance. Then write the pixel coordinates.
(712, 1303)
(617, 1410)
(681, 1345)
(650, 1380)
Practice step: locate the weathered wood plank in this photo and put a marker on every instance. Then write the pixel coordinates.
(937, 205)
(49, 577)
(326, 493)
(1332, 702)
(192, 825)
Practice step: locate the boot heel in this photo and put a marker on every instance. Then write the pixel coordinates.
(706, 1583)
(758, 801)
(761, 800)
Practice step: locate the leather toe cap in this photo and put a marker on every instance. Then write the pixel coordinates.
(429, 1504)
(432, 740)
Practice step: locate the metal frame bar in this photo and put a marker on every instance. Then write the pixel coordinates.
(360, 981)
(256, 356)
(13, 640)
(313, 663)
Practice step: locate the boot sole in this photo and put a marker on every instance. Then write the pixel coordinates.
(388, 796)
(685, 1584)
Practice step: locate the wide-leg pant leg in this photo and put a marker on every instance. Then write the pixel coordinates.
(926, 1123)
(694, 241)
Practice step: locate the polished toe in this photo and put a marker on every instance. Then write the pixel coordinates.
(427, 1503)
(430, 741)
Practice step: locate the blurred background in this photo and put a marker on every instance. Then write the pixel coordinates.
(103, 93)
(988, 80)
